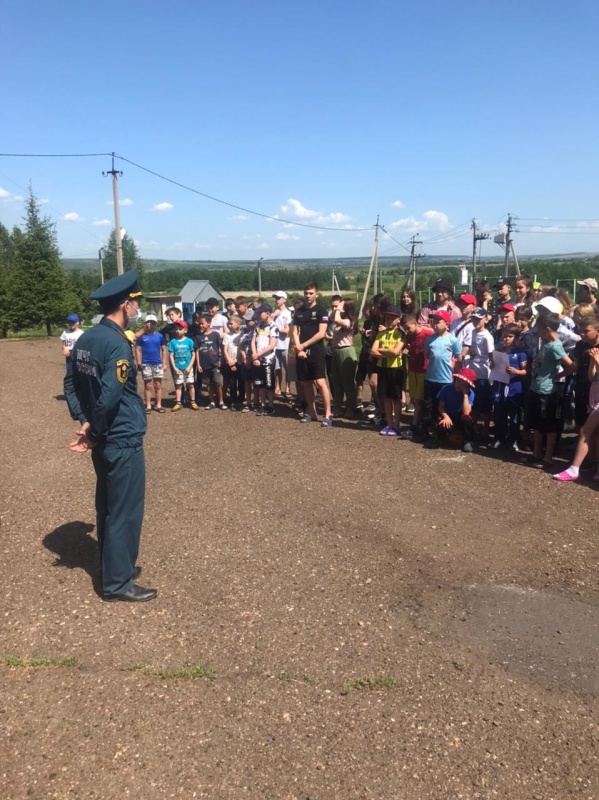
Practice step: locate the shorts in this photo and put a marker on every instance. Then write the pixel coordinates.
(594, 397)
(264, 375)
(183, 378)
(211, 376)
(281, 359)
(246, 373)
(416, 385)
(545, 412)
(152, 372)
(312, 368)
(390, 383)
(365, 366)
(483, 396)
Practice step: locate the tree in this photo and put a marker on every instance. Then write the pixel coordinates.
(39, 291)
(131, 259)
(6, 268)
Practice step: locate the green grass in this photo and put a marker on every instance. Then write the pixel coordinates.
(187, 673)
(370, 684)
(52, 661)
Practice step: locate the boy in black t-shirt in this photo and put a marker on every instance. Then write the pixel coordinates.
(208, 350)
(308, 332)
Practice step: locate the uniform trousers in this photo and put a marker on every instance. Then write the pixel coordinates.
(120, 491)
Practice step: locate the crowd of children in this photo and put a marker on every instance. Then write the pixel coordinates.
(506, 370)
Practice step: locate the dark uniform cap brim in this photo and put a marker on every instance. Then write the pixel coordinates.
(117, 290)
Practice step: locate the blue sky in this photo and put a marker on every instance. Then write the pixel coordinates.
(326, 113)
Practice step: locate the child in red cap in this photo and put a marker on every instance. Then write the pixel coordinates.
(455, 408)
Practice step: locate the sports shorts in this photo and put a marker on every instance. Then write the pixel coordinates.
(416, 385)
(545, 412)
(390, 383)
(264, 375)
(212, 376)
(313, 367)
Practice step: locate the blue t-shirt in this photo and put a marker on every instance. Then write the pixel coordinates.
(453, 399)
(182, 350)
(440, 350)
(151, 348)
(513, 383)
(546, 366)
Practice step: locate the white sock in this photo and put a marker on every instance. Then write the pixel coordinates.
(573, 471)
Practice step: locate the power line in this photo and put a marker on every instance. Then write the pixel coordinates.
(236, 207)
(187, 188)
(53, 155)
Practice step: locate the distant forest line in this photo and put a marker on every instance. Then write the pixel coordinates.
(350, 278)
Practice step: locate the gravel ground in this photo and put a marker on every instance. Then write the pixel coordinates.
(367, 619)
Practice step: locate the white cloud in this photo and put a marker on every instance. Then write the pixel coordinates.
(8, 197)
(102, 223)
(44, 201)
(162, 207)
(72, 216)
(237, 218)
(431, 222)
(202, 246)
(397, 204)
(222, 236)
(264, 246)
(295, 208)
(253, 236)
(284, 236)
(126, 201)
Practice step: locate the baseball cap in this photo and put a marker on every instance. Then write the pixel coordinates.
(590, 283)
(262, 307)
(72, 318)
(502, 282)
(479, 313)
(444, 315)
(180, 323)
(392, 311)
(151, 318)
(443, 285)
(551, 304)
(536, 285)
(467, 375)
(507, 307)
(280, 294)
(469, 299)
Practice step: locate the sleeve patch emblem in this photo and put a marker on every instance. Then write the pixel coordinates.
(122, 370)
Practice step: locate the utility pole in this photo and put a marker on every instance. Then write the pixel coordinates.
(373, 264)
(260, 277)
(506, 241)
(476, 237)
(414, 243)
(375, 257)
(100, 254)
(334, 282)
(117, 216)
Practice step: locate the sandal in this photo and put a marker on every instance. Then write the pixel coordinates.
(326, 423)
(161, 410)
(306, 418)
(148, 410)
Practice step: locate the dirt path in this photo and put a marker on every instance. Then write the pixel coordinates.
(373, 620)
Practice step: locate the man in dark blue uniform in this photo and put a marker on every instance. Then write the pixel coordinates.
(102, 394)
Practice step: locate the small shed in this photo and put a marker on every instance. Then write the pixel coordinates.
(194, 295)
(158, 303)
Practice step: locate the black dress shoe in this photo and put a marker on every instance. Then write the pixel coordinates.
(136, 594)
(136, 573)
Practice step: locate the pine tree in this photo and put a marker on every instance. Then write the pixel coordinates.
(39, 292)
(131, 258)
(6, 268)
